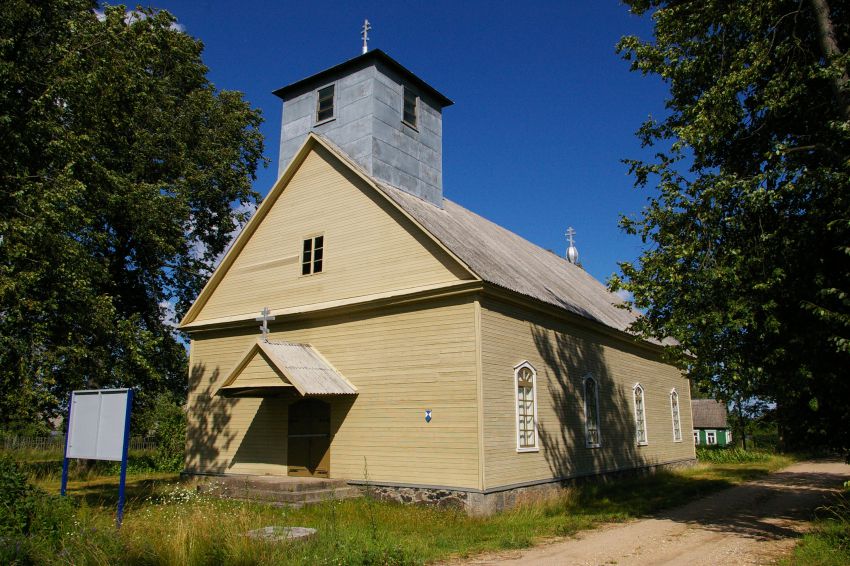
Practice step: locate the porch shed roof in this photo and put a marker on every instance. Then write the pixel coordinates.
(295, 365)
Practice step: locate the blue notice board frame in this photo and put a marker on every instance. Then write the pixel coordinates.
(88, 429)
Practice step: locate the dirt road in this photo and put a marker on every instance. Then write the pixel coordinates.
(750, 524)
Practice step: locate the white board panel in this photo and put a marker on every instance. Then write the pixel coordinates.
(96, 425)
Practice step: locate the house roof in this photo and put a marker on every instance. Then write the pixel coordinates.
(502, 258)
(709, 413)
(361, 61)
(297, 365)
(491, 253)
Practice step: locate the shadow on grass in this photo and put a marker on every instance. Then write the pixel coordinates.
(636, 497)
(103, 491)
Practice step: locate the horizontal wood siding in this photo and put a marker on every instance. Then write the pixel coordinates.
(403, 361)
(369, 247)
(562, 355)
(260, 372)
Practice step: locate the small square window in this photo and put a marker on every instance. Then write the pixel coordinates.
(411, 108)
(711, 437)
(312, 254)
(325, 103)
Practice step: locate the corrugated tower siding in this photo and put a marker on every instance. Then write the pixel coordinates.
(403, 361)
(369, 248)
(563, 354)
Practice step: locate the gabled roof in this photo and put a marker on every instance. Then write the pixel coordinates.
(361, 61)
(502, 258)
(709, 413)
(489, 252)
(310, 143)
(296, 365)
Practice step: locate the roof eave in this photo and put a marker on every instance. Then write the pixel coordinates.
(376, 55)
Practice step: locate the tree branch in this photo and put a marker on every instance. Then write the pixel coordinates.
(830, 50)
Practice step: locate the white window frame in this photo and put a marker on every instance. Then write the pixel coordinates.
(645, 440)
(696, 438)
(316, 120)
(517, 369)
(709, 436)
(587, 421)
(676, 415)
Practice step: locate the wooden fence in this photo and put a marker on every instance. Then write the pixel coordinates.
(56, 443)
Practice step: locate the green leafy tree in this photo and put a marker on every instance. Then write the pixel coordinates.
(122, 167)
(746, 236)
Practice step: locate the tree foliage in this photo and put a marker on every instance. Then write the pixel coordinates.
(747, 236)
(121, 166)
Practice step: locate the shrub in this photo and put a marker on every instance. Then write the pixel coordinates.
(164, 420)
(16, 504)
(29, 517)
(728, 455)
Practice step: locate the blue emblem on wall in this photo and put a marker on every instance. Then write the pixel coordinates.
(427, 415)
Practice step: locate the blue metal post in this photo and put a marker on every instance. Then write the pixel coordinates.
(64, 485)
(126, 448)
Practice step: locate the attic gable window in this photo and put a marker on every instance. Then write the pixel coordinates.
(526, 398)
(411, 108)
(312, 254)
(325, 103)
(640, 416)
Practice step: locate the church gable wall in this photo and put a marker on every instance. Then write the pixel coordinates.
(369, 247)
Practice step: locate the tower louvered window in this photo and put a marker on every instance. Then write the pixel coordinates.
(325, 104)
(411, 107)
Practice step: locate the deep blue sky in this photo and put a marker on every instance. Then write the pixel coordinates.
(544, 112)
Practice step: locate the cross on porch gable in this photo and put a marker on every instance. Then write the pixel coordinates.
(264, 328)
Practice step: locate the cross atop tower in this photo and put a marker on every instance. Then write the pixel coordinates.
(365, 35)
(572, 252)
(264, 328)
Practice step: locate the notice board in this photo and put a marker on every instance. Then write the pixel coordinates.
(96, 424)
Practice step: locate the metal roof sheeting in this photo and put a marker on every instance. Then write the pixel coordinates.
(300, 364)
(500, 257)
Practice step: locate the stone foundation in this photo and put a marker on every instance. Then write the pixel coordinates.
(479, 504)
(420, 495)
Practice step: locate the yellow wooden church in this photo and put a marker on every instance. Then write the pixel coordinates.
(405, 340)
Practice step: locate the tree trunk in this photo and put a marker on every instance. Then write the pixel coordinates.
(830, 50)
(743, 422)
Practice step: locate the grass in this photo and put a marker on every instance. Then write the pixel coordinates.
(828, 543)
(167, 522)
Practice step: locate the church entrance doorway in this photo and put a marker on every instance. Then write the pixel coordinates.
(309, 439)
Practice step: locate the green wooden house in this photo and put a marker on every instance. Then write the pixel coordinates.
(711, 426)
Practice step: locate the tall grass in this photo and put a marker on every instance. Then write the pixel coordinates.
(828, 543)
(171, 523)
(724, 455)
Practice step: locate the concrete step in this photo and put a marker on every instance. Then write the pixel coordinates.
(279, 491)
(276, 483)
(313, 496)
